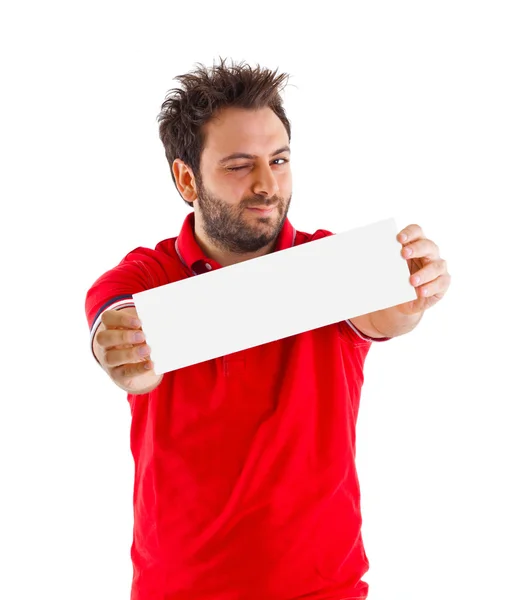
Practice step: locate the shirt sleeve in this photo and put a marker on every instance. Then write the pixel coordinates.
(355, 336)
(114, 290)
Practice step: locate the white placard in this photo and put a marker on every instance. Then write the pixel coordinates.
(274, 296)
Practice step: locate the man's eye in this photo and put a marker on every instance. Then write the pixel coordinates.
(245, 166)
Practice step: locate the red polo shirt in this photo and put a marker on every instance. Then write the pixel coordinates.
(245, 481)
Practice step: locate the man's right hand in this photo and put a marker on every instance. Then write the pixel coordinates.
(120, 348)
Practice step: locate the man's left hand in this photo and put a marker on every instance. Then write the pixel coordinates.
(428, 271)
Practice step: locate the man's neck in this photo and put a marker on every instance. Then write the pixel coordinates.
(225, 258)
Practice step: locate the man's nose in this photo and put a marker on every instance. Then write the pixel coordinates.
(265, 182)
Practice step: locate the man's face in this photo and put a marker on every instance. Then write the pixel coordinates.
(232, 185)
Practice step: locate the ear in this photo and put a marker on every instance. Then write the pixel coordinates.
(185, 181)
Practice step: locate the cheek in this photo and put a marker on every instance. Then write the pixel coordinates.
(285, 177)
(285, 183)
(227, 187)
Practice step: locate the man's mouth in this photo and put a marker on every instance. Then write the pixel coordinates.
(264, 211)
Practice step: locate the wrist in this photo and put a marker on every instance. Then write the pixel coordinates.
(392, 322)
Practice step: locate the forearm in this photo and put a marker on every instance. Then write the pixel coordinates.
(390, 322)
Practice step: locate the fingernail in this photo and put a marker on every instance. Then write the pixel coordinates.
(403, 237)
(139, 336)
(143, 351)
(417, 280)
(136, 323)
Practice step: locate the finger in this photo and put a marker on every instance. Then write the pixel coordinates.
(410, 233)
(423, 248)
(132, 369)
(437, 286)
(120, 318)
(110, 338)
(115, 358)
(429, 272)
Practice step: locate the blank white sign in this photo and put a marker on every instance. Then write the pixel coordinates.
(274, 296)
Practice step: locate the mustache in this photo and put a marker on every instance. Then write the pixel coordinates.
(261, 202)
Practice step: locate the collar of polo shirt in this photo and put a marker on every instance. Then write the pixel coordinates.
(193, 257)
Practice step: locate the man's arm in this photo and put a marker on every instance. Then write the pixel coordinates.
(386, 323)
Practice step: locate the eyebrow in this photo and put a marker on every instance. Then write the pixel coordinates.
(244, 155)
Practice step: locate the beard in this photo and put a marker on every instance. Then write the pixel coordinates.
(233, 229)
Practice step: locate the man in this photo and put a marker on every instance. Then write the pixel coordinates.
(245, 480)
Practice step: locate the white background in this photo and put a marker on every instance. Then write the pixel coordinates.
(402, 109)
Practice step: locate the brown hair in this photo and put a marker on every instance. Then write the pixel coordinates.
(185, 111)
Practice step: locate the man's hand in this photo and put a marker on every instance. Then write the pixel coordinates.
(429, 272)
(120, 348)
